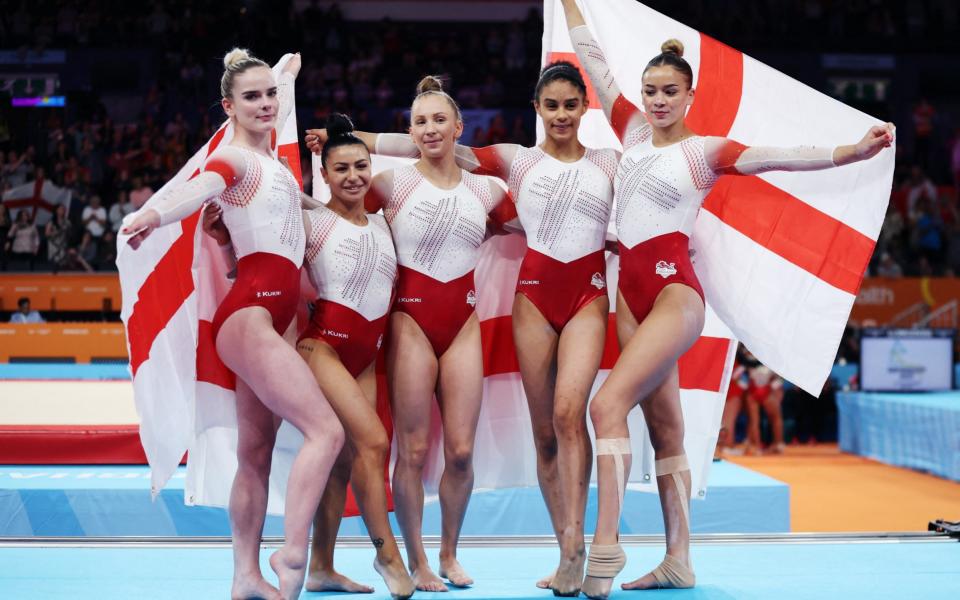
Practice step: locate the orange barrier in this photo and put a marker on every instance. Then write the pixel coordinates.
(74, 291)
(78, 341)
(881, 299)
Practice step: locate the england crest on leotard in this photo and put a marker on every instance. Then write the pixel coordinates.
(472, 298)
(597, 281)
(665, 269)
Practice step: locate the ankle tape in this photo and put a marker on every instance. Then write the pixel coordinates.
(674, 465)
(617, 448)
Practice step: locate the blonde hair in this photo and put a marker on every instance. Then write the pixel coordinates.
(432, 86)
(236, 62)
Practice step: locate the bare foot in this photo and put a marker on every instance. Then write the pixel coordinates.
(290, 571)
(253, 588)
(331, 581)
(395, 575)
(453, 571)
(426, 580)
(544, 584)
(569, 576)
(647, 582)
(597, 588)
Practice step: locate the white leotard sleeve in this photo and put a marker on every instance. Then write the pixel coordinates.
(400, 144)
(285, 93)
(186, 199)
(727, 157)
(595, 64)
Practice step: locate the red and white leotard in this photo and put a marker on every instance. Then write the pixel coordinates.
(437, 234)
(353, 268)
(262, 212)
(564, 208)
(659, 190)
(261, 209)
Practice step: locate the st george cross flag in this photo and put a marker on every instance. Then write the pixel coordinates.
(40, 198)
(781, 256)
(171, 287)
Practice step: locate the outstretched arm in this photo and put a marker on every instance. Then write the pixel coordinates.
(224, 168)
(620, 112)
(491, 160)
(727, 157)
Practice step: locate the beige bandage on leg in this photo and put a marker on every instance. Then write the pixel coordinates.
(671, 573)
(607, 560)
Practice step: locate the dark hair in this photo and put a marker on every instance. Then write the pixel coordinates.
(560, 70)
(671, 55)
(431, 85)
(339, 133)
(23, 300)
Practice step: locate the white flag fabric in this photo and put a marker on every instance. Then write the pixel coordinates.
(40, 198)
(780, 256)
(171, 288)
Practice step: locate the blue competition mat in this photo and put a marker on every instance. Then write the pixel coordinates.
(115, 501)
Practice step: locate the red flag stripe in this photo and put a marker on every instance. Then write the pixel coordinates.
(291, 152)
(719, 89)
(209, 366)
(162, 294)
(701, 367)
(814, 241)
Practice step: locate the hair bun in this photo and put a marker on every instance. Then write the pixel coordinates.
(430, 83)
(235, 57)
(672, 46)
(338, 124)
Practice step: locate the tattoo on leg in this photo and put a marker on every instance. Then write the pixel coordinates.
(378, 542)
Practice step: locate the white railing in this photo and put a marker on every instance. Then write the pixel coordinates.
(910, 316)
(945, 316)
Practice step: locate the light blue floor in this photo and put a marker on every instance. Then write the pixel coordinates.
(60, 500)
(792, 571)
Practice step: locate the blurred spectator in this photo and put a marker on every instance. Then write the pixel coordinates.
(919, 186)
(94, 218)
(106, 257)
(887, 267)
(764, 390)
(140, 192)
(75, 262)
(923, 116)
(88, 247)
(58, 233)
(121, 208)
(18, 167)
(929, 232)
(23, 240)
(24, 314)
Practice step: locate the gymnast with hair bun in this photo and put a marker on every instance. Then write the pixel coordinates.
(664, 175)
(351, 262)
(261, 208)
(564, 194)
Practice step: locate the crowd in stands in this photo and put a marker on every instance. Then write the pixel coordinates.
(368, 70)
(112, 166)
